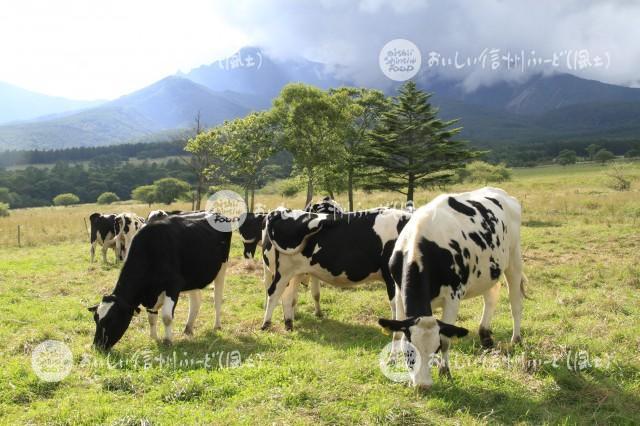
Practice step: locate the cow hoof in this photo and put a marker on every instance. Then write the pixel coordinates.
(485, 338)
(217, 327)
(516, 340)
(266, 326)
(288, 325)
(188, 331)
(319, 314)
(423, 388)
(445, 372)
(167, 342)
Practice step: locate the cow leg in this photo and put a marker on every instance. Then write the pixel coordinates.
(93, 251)
(393, 292)
(289, 301)
(104, 253)
(515, 278)
(195, 301)
(118, 249)
(167, 317)
(218, 290)
(449, 316)
(274, 293)
(399, 315)
(490, 303)
(315, 293)
(152, 316)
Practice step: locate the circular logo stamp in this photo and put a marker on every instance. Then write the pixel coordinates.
(400, 59)
(231, 209)
(398, 360)
(52, 360)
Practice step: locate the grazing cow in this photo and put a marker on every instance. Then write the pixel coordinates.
(128, 225)
(409, 206)
(166, 258)
(103, 232)
(251, 232)
(341, 250)
(456, 247)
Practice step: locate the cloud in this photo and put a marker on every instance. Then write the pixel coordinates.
(351, 33)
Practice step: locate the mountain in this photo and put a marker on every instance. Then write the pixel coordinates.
(20, 104)
(543, 107)
(168, 104)
(250, 72)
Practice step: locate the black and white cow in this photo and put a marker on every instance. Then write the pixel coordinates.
(167, 257)
(250, 229)
(455, 247)
(103, 233)
(326, 205)
(342, 250)
(127, 225)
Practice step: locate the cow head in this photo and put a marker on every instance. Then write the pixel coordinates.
(112, 317)
(251, 232)
(424, 333)
(288, 230)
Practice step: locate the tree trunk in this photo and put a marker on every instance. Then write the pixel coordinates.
(309, 190)
(350, 188)
(253, 195)
(246, 195)
(198, 194)
(410, 189)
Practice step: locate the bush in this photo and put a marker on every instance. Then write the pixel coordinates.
(144, 193)
(618, 181)
(4, 209)
(603, 156)
(566, 157)
(169, 189)
(481, 172)
(67, 199)
(632, 153)
(107, 198)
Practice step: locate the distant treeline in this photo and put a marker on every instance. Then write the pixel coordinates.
(135, 150)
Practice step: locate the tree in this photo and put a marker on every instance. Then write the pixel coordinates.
(365, 108)
(170, 189)
(412, 147)
(250, 143)
(200, 160)
(566, 157)
(312, 127)
(632, 153)
(66, 199)
(107, 198)
(5, 196)
(591, 150)
(145, 193)
(603, 156)
(4, 209)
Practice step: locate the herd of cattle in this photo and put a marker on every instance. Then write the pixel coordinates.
(455, 247)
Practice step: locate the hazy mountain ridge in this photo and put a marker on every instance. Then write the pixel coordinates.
(542, 107)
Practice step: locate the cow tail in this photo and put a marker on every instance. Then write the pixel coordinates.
(524, 281)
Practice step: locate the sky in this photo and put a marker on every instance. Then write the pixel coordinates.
(101, 50)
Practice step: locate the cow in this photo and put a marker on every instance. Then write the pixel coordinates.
(409, 206)
(326, 205)
(455, 247)
(342, 250)
(128, 224)
(250, 229)
(167, 257)
(103, 232)
(159, 214)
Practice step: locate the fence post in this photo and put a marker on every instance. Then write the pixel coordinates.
(19, 243)
(86, 229)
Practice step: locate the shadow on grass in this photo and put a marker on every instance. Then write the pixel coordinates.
(541, 224)
(340, 334)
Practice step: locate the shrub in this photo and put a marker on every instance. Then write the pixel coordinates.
(107, 198)
(566, 157)
(169, 189)
(66, 199)
(4, 209)
(479, 171)
(144, 193)
(618, 181)
(603, 156)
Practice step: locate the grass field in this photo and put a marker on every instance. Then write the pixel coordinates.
(581, 245)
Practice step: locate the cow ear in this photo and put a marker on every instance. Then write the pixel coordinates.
(288, 230)
(450, 330)
(93, 308)
(136, 311)
(396, 325)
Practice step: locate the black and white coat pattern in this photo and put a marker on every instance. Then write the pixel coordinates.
(342, 250)
(127, 225)
(103, 233)
(456, 247)
(167, 257)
